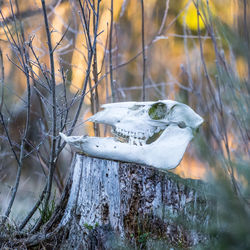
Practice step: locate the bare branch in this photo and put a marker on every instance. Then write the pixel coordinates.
(52, 160)
(110, 53)
(143, 53)
(1, 80)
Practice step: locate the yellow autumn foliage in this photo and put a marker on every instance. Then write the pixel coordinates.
(189, 16)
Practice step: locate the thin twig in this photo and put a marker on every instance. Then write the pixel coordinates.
(209, 80)
(59, 42)
(1, 80)
(24, 62)
(111, 54)
(54, 118)
(164, 18)
(247, 40)
(143, 53)
(95, 75)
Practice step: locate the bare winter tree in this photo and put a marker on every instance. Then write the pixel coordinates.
(47, 107)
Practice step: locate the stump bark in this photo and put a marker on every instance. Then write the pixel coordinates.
(115, 205)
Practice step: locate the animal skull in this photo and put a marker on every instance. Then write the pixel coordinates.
(151, 133)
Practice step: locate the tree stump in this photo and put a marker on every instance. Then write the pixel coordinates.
(113, 204)
(116, 205)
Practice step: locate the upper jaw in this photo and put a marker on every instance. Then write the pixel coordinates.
(141, 129)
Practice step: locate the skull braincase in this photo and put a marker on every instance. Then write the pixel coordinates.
(151, 133)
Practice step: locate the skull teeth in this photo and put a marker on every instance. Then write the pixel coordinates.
(136, 135)
(135, 141)
(131, 137)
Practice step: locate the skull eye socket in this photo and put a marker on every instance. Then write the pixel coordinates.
(158, 111)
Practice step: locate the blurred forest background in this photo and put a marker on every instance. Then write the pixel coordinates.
(54, 74)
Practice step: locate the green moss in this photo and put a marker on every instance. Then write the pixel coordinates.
(88, 226)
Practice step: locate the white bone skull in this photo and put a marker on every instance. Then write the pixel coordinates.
(151, 133)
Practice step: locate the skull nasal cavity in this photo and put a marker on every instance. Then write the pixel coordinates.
(158, 111)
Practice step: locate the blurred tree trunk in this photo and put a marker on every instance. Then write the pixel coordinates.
(115, 205)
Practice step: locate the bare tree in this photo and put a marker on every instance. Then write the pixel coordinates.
(42, 90)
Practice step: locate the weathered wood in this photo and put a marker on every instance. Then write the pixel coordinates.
(108, 204)
(112, 202)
